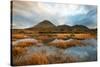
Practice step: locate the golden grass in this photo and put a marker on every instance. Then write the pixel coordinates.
(42, 39)
(19, 36)
(83, 36)
(25, 44)
(40, 58)
(18, 51)
(66, 44)
(32, 59)
(22, 57)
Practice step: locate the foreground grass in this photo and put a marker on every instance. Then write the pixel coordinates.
(45, 55)
(29, 53)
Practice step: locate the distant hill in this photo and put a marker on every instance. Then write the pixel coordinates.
(64, 28)
(47, 26)
(44, 26)
(80, 29)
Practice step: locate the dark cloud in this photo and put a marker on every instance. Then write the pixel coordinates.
(89, 19)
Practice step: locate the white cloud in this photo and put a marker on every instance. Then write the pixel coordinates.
(38, 11)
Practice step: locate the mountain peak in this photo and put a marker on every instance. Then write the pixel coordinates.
(45, 23)
(80, 26)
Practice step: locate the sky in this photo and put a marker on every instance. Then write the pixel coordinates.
(26, 14)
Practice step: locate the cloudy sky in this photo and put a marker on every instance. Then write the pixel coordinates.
(27, 14)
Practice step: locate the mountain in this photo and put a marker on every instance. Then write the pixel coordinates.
(94, 31)
(44, 26)
(80, 29)
(47, 26)
(63, 28)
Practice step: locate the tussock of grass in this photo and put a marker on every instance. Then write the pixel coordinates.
(25, 44)
(19, 36)
(18, 51)
(35, 55)
(44, 55)
(31, 59)
(66, 44)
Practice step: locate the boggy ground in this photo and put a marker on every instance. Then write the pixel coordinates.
(29, 51)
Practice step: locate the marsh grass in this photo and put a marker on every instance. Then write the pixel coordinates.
(18, 51)
(25, 44)
(67, 44)
(23, 56)
(27, 53)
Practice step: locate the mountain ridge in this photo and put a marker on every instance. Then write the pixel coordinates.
(47, 26)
